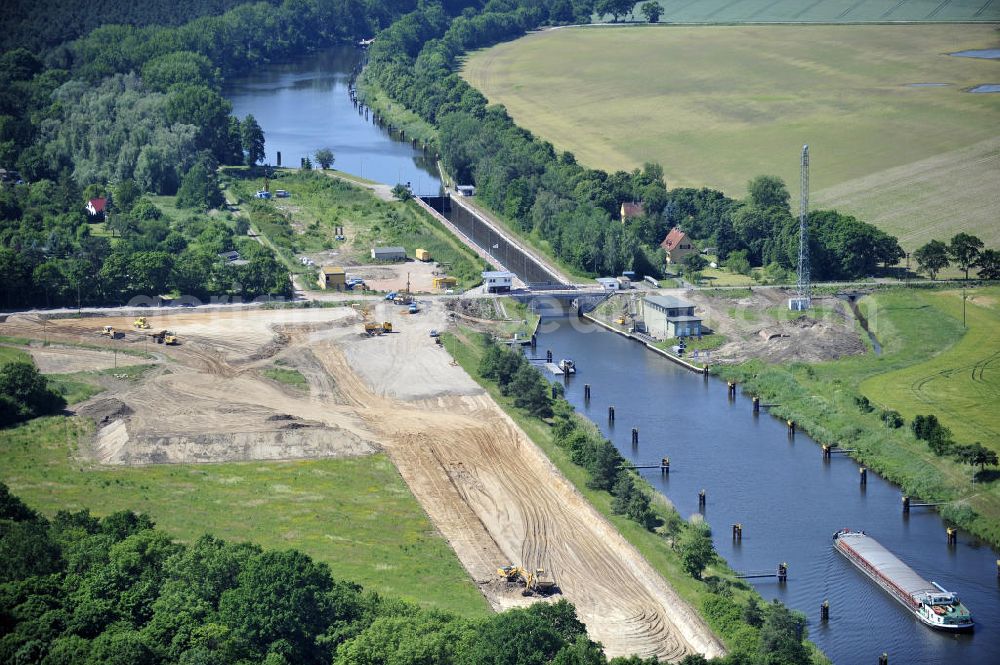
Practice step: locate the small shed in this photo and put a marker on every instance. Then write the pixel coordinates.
(444, 282)
(498, 281)
(331, 278)
(465, 190)
(422, 255)
(608, 283)
(388, 254)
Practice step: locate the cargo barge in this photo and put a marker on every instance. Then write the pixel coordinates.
(928, 601)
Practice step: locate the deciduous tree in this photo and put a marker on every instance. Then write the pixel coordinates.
(932, 258)
(989, 264)
(652, 10)
(964, 251)
(696, 549)
(324, 157)
(253, 140)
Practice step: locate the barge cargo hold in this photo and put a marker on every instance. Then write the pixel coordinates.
(928, 601)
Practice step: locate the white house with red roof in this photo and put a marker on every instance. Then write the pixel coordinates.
(677, 245)
(631, 209)
(95, 207)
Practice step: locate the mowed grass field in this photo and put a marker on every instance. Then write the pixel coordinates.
(824, 11)
(718, 105)
(356, 514)
(961, 386)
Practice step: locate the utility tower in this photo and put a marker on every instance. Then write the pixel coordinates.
(803, 296)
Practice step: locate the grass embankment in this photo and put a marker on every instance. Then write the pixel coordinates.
(930, 365)
(307, 221)
(919, 161)
(397, 115)
(355, 514)
(959, 384)
(522, 321)
(79, 386)
(717, 608)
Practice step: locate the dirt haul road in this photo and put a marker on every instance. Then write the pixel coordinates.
(498, 499)
(490, 491)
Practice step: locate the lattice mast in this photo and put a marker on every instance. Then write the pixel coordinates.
(804, 286)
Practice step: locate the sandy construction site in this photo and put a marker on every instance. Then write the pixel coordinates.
(488, 489)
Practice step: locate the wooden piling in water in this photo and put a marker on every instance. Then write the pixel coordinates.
(701, 504)
(756, 405)
(782, 572)
(906, 505)
(737, 531)
(635, 436)
(824, 611)
(586, 391)
(863, 473)
(665, 465)
(611, 414)
(952, 534)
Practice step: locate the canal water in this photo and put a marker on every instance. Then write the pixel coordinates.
(304, 105)
(788, 499)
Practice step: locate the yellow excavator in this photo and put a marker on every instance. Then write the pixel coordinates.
(534, 582)
(141, 323)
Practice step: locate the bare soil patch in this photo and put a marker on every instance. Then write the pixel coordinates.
(489, 490)
(759, 325)
(68, 359)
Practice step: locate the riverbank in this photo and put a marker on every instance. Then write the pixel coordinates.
(924, 370)
(398, 116)
(720, 597)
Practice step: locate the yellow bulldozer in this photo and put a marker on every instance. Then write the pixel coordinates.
(109, 331)
(141, 323)
(535, 583)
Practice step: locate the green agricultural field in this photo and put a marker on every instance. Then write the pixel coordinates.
(355, 514)
(718, 105)
(961, 385)
(827, 11)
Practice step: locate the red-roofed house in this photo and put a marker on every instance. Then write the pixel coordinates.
(677, 245)
(95, 207)
(630, 210)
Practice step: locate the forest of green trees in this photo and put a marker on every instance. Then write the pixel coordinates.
(136, 109)
(82, 590)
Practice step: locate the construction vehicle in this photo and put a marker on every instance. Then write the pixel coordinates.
(375, 328)
(109, 331)
(164, 337)
(534, 582)
(141, 323)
